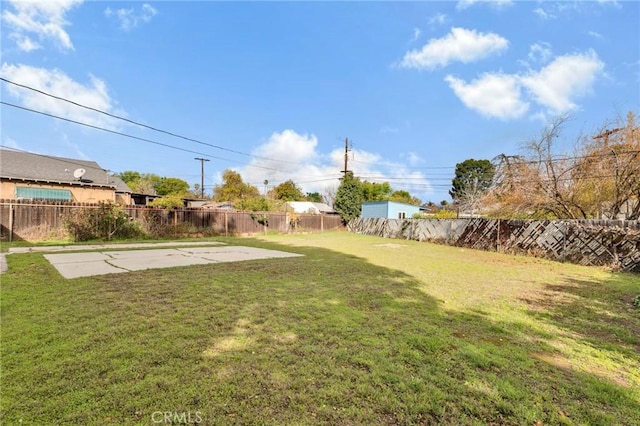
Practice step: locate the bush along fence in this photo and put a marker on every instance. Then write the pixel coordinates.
(614, 243)
(37, 221)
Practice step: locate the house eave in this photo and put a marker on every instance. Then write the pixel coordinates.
(55, 182)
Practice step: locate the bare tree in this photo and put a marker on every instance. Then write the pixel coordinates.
(601, 179)
(329, 194)
(553, 181)
(608, 172)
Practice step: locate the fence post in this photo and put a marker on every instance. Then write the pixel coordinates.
(10, 221)
(564, 240)
(264, 224)
(226, 223)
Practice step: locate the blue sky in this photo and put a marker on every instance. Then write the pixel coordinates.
(416, 86)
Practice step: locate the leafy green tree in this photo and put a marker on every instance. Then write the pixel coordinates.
(171, 185)
(169, 201)
(233, 188)
(147, 184)
(349, 197)
(129, 176)
(472, 177)
(288, 191)
(314, 197)
(141, 183)
(402, 196)
(254, 204)
(373, 191)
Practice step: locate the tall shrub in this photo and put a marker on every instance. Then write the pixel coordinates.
(107, 221)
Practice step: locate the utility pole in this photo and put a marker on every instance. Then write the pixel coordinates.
(606, 135)
(202, 160)
(346, 156)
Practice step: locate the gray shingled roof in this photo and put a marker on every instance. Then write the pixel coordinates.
(26, 166)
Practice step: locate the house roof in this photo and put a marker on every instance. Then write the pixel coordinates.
(26, 166)
(308, 206)
(224, 205)
(389, 202)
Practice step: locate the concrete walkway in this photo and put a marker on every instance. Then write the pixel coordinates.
(112, 246)
(111, 259)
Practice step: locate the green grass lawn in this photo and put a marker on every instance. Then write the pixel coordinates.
(359, 331)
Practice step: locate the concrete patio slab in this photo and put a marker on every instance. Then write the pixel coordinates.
(87, 269)
(112, 246)
(75, 265)
(57, 259)
(160, 261)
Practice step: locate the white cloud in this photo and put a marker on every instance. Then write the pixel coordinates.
(416, 34)
(44, 19)
(544, 14)
(372, 167)
(437, 19)
(497, 4)
(129, 18)
(301, 162)
(553, 9)
(595, 34)
(411, 158)
(555, 87)
(94, 94)
(614, 3)
(27, 45)
(290, 145)
(492, 95)
(315, 171)
(566, 78)
(540, 52)
(459, 45)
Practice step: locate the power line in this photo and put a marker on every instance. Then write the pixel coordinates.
(395, 166)
(347, 147)
(61, 159)
(519, 160)
(131, 136)
(146, 126)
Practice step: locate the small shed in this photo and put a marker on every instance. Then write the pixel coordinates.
(389, 210)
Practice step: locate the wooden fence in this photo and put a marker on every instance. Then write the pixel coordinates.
(33, 220)
(613, 243)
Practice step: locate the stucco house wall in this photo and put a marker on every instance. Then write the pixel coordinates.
(43, 177)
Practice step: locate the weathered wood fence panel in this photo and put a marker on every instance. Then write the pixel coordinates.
(19, 219)
(587, 242)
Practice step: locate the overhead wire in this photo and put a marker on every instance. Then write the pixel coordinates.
(146, 126)
(51, 157)
(364, 176)
(132, 136)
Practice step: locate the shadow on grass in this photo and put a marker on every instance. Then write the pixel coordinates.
(327, 338)
(601, 312)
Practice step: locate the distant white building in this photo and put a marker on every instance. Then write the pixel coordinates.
(307, 207)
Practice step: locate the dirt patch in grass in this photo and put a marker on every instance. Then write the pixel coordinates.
(390, 245)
